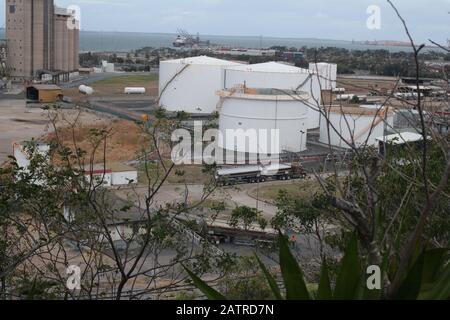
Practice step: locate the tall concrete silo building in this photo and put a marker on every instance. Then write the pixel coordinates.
(39, 39)
(67, 38)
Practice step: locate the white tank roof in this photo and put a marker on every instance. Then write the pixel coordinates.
(203, 60)
(62, 11)
(275, 67)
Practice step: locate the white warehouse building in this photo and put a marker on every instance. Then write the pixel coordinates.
(359, 125)
(113, 174)
(190, 84)
(275, 75)
(245, 110)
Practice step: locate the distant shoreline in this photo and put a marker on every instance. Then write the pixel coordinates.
(125, 41)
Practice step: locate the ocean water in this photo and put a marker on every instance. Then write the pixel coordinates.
(121, 41)
(129, 41)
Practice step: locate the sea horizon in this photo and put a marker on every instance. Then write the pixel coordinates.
(127, 41)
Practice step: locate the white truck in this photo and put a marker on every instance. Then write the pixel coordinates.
(259, 173)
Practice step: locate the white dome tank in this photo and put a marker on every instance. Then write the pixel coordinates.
(134, 90)
(243, 111)
(190, 84)
(276, 75)
(358, 124)
(327, 72)
(86, 90)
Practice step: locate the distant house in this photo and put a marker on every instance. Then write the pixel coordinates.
(113, 174)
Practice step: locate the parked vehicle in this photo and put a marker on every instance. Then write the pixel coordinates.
(259, 173)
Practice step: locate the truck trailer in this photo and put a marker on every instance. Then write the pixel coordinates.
(259, 173)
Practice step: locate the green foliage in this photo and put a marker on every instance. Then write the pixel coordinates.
(245, 217)
(429, 277)
(292, 274)
(377, 62)
(355, 100)
(350, 273)
(270, 279)
(160, 114)
(37, 289)
(324, 292)
(245, 281)
(209, 292)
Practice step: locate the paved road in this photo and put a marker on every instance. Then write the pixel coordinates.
(306, 246)
(233, 196)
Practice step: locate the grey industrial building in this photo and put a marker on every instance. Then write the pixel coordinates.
(41, 39)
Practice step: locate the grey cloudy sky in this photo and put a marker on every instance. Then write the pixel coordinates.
(327, 19)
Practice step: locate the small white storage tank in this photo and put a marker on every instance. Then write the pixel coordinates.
(280, 76)
(358, 124)
(134, 90)
(190, 84)
(246, 109)
(108, 67)
(327, 72)
(85, 89)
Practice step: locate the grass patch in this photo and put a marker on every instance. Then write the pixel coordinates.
(299, 189)
(134, 80)
(215, 204)
(114, 86)
(179, 175)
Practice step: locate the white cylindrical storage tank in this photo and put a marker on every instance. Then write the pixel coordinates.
(85, 89)
(280, 76)
(134, 90)
(276, 120)
(190, 84)
(327, 72)
(355, 124)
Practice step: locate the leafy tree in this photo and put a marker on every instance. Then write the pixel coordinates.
(246, 217)
(427, 278)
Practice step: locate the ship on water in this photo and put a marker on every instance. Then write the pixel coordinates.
(186, 40)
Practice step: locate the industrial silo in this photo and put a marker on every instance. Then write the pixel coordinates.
(355, 125)
(61, 17)
(278, 120)
(274, 75)
(190, 84)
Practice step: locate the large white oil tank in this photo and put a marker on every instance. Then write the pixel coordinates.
(85, 89)
(134, 90)
(360, 125)
(280, 76)
(244, 112)
(328, 74)
(190, 84)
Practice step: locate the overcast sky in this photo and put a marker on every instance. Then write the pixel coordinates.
(326, 19)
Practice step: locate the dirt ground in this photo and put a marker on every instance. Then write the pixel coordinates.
(302, 189)
(19, 123)
(124, 141)
(363, 86)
